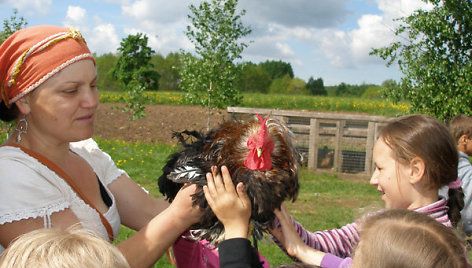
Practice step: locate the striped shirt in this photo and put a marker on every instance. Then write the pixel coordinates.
(340, 242)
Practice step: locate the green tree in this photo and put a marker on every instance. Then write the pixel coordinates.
(254, 79)
(297, 86)
(280, 85)
(168, 67)
(277, 69)
(342, 89)
(209, 80)
(316, 87)
(12, 25)
(105, 80)
(436, 59)
(134, 69)
(389, 86)
(372, 92)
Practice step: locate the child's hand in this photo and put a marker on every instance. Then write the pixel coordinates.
(292, 242)
(231, 206)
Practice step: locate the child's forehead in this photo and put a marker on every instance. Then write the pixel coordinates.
(382, 150)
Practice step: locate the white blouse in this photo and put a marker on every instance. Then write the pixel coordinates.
(28, 189)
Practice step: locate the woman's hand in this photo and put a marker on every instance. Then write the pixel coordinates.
(292, 242)
(231, 206)
(182, 205)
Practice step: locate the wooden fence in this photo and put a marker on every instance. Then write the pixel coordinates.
(328, 142)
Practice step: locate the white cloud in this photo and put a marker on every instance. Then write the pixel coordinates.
(303, 13)
(285, 49)
(103, 39)
(349, 49)
(158, 12)
(123, 2)
(31, 7)
(76, 14)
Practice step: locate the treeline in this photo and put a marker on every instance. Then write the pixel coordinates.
(269, 77)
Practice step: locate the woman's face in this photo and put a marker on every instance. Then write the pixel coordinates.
(63, 108)
(390, 177)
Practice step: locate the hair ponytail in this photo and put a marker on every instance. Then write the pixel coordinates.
(455, 202)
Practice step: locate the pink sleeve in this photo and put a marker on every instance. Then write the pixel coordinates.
(339, 242)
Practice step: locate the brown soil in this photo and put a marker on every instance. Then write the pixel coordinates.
(158, 124)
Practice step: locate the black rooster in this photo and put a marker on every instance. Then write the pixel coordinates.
(260, 153)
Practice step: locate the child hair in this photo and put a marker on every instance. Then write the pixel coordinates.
(405, 238)
(426, 137)
(54, 248)
(460, 125)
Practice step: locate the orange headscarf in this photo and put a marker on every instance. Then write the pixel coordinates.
(32, 55)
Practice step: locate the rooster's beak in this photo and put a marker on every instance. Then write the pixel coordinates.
(259, 152)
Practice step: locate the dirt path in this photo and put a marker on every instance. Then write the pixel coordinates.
(158, 125)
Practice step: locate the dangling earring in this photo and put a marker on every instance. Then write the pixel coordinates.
(21, 127)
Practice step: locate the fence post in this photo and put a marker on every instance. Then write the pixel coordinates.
(369, 147)
(313, 145)
(338, 154)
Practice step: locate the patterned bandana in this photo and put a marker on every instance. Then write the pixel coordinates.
(32, 55)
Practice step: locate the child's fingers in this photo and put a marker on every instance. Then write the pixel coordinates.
(208, 197)
(219, 185)
(211, 184)
(282, 215)
(242, 194)
(227, 182)
(275, 232)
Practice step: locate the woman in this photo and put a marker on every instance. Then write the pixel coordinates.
(53, 173)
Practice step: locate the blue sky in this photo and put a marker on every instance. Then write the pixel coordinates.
(330, 39)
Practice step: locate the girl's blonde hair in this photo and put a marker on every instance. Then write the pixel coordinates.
(53, 248)
(405, 238)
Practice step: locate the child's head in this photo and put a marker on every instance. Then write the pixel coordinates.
(50, 248)
(427, 138)
(461, 130)
(405, 238)
(415, 154)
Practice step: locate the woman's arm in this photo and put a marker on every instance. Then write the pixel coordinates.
(145, 247)
(136, 207)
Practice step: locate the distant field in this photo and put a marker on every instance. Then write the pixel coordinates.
(286, 102)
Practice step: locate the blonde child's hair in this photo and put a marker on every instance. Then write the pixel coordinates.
(54, 248)
(460, 125)
(405, 238)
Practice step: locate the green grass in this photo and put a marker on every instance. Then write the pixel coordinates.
(280, 101)
(324, 201)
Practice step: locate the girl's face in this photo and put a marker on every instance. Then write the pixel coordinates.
(63, 108)
(391, 177)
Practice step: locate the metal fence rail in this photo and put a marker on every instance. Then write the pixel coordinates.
(329, 142)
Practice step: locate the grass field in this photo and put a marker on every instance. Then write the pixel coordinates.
(324, 201)
(279, 101)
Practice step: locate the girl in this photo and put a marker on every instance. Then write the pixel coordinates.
(414, 156)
